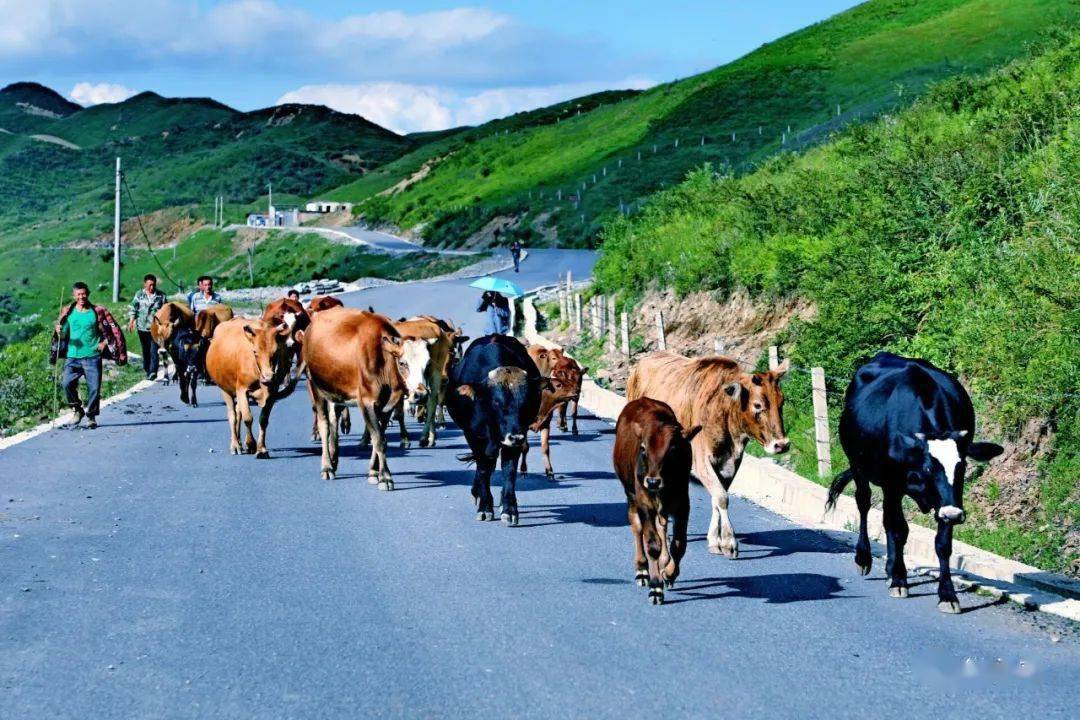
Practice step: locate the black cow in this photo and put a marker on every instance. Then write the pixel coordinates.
(493, 395)
(188, 352)
(907, 427)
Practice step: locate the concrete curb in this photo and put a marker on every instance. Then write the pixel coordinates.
(67, 417)
(782, 491)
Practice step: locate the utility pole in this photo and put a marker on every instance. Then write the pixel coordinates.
(116, 240)
(270, 208)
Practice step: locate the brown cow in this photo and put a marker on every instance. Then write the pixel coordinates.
(564, 386)
(732, 407)
(457, 339)
(320, 303)
(425, 362)
(169, 318)
(207, 320)
(249, 359)
(293, 314)
(652, 457)
(352, 357)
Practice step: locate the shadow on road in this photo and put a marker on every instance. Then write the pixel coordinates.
(163, 422)
(779, 588)
(594, 514)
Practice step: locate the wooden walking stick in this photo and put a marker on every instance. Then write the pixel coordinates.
(56, 368)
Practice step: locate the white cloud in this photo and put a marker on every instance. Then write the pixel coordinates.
(410, 108)
(397, 106)
(265, 37)
(86, 93)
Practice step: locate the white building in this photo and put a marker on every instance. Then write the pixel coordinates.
(327, 206)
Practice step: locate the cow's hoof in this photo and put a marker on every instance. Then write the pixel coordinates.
(550, 475)
(898, 592)
(510, 518)
(315, 437)
(715, 550)
(263, 455)
(952, 607)
(642, 577)
(863, 569)
(405, 444)
(373, 479)
(194, 404)
(424, 443)
(574, 432)
(386, 485)
(669, 583)
(234, 451)
(731, 552)
(656, 596)
(484, 515)
(326, 474)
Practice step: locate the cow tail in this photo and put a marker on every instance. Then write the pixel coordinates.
(632, 385)
(836, 489)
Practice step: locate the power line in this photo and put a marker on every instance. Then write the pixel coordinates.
(149, 247)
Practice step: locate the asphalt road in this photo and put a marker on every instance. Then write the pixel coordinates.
(144, 572)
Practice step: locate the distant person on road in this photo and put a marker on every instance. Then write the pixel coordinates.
(84, 334)
(497, 308)
(515, 252)
(143, 306)
(293, 295)
(204, 297)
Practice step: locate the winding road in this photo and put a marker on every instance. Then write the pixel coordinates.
(145, 573)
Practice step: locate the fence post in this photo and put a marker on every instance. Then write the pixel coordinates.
(774, 358)
(577, 312)
(564, 311)
(612, 342)
(601, 307)
(821, 422)
(718, 346)
(661, 340)
(624, 321)
(569, 287)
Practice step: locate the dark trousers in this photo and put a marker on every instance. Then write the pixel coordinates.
(517, 260)
(89, 368)
(149, 353)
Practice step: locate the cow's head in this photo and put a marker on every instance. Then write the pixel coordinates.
(414, 358)
(268, 348)
(936, 464)
(761, 405)
(665, 452)
(563, 386)
(509, 399)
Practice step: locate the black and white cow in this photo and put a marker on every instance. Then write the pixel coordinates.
(493, 396)
(907, 427)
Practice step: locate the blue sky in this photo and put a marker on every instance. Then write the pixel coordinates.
(417, 65)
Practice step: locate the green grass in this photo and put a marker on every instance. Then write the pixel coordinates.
(947, 232)
(872, 59)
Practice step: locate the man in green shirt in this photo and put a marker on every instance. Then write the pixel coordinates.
(83, 358)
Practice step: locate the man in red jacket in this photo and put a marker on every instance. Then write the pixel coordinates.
(84, 334)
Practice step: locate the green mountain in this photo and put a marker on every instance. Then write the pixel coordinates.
(948, 232)
(56, 159)
(789, 94)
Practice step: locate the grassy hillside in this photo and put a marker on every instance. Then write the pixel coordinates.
(873, 58)
(947, 232)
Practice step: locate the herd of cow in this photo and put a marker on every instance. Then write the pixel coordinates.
(906, 425)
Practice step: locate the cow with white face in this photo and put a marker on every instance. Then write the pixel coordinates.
(907, 427)
(424, 362)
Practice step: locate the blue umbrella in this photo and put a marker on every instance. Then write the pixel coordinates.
(498, 285)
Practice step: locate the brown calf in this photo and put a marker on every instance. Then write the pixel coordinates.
(249, 359)
(564, 386)
(732, 407)
(652, 458)
(320, 303)
(352, 357)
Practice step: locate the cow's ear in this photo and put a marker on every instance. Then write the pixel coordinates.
(299, 336)
(467, 391)
(282, 329)
(547, 384)
(584, 371)
(984, 451)
(176, 322)
(690, 434)
(782, 368)
(733, 389)
(249, 331)
(392, 345)
(432, 341)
